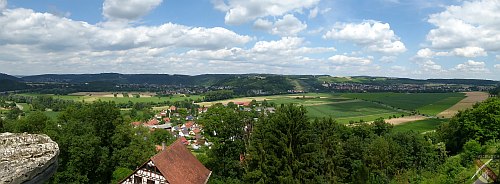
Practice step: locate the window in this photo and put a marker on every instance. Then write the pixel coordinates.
(151, 182)
(137, 180)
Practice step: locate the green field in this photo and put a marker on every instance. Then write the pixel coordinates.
(426, 103)
(345, 107)
(86, 98)
(351, 110)
(420, 126)
(26, 107)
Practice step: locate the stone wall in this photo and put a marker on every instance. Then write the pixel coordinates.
(27, 158)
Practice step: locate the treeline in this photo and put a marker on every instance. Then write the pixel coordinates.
(285, 147)
(96, 143)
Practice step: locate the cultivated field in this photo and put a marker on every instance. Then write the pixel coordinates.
(325, 105)
(346, 107)
(425, 103)
(471, 99)
(109, 96)
(420, 125)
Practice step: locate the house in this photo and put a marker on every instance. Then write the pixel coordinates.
(189, 118)
(173, 165)
(152, 122)
(172, 108)
(166, 120)
(136, 123)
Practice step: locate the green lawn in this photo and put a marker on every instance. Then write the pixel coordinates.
(420, 126)
(426, 103)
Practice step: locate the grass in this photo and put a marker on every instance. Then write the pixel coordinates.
(26, 107)
(88, 99)
(420, 126)
(352, 110)
(426, 103)
(51, 114)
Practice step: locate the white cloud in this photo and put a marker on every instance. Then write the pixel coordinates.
(430, 66)
(471, 24)
(289, 25)
(374, 36)
(313, 12)
(128, 9)
(348, 60)
(471, 67)
(497, 66)
(263, 24)
(498, 57)
(469, 52)
(398, 68)
(425, 53)
(388, 59)
(239, 12)
(44, 30)
(3, 4)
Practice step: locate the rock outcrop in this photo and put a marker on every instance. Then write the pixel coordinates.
(27, 158)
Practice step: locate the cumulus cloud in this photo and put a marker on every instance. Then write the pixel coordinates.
(471, 24)
(388, 59)
(498, 57)
(289, 25)
(469, 52)
(239, 12)
(348, 60)
(25, 27)
(313, 12)
(374, 36)
(128, 9)
(497, 66)
(3, 4)
(471, 67)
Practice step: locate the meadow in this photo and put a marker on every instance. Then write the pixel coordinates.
(420, 126)
(425, 103)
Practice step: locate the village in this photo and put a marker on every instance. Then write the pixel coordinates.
(185, 126)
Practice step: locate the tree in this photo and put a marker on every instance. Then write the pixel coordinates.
(279, 148)
(35, 122)
(225, 128)
(481, 123)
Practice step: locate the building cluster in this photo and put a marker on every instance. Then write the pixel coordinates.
(359, 87)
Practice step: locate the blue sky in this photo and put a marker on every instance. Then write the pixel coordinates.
(396, 38)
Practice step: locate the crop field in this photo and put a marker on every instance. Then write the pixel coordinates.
(425, 103)
(420, 126)
(143, 97)
(324, 105)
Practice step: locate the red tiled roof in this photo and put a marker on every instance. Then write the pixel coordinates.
(136, 123)
(153, 122)
(184, 141)
(173, 108)
(189, 124)
(179, 166)
(166, 119)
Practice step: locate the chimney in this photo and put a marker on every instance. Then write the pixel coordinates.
(162, 146)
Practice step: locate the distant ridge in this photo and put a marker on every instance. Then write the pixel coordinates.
(8, 77)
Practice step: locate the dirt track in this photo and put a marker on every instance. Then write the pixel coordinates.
(397, 121)
(471, 99)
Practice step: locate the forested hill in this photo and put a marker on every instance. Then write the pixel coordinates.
(212, 79)
(8, 77)
(10, 83)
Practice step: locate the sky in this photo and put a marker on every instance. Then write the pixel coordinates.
(393, 38)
